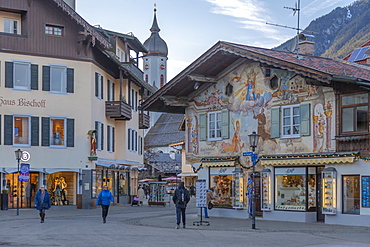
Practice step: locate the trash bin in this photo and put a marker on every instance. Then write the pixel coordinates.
(4, 201)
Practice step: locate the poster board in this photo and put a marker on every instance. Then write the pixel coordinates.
(201, 190)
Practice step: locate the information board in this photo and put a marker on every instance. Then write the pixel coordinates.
(201, 190)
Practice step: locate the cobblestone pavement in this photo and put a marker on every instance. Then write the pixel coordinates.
(154, 226)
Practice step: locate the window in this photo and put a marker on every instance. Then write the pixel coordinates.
(10, 26)
(53, 30)
(162, 81)
(57, 131)
(110, 139)
(110, 90)
(140, 151)
(354, 110)
(132, 140)
(99, 126)
(22, 75)
(121, 55)
(146, 78)
(99, 85)
(351, 194)
(134, 98)
(214, 125)
(58, 79)
(291, 121)
(21, 130)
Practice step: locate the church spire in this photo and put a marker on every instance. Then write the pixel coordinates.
(155, 27)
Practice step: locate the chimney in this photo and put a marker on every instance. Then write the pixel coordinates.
(71, 3)
(306, 46)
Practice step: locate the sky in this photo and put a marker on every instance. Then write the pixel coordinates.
(191, 27)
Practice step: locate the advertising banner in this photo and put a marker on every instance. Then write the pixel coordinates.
(24, 175)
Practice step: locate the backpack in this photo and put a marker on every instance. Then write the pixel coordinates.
(181, 199)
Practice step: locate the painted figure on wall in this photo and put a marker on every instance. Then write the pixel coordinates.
(193, 144)
(261, 124)
(236, 143)
(320, 136)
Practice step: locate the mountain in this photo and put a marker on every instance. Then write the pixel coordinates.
(339, 32)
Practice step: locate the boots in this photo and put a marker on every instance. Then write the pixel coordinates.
(104, 219)
(42, 218)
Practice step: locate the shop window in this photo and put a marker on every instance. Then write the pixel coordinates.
(295, 189)
(351, 194)
(62, 187)
(21, 130)
(57, 131)
(222, 185)
(53, 30)
(354, 110)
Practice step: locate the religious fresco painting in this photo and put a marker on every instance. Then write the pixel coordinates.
(249, 103)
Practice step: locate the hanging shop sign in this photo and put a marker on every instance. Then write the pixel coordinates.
(24, 175)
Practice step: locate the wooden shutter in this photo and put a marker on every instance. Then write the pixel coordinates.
(45, 123)
(305, 115)
(35, 135)
(135, 140)
(0, 129)
(9, 67)
(8, 129)
(129, 139)
(102, 87)
(275, 122)
(203, 126)
(225, 130)
(46, 78)
(34, 77)
(108, 138)
(70, 132)
(70, 80)
(97, 134)
(96, 84)
(102, 136)
(113, 139)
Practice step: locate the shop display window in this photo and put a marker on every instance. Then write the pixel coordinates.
(351, 194)
(62, 188)
(237, 192)
(222, 189)
(329, 191)
(266, 190)
(365, 191)
(27, 190)
(57, 128)
(93, 187)
(122, 184)
(295, 188)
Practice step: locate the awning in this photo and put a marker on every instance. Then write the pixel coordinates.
(303, 161)
(218, 164)
(50, 171)
(188, 175)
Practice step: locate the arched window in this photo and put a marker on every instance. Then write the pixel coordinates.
(162, 81)
(146, 78)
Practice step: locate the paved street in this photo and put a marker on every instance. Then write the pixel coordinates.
(154, 226)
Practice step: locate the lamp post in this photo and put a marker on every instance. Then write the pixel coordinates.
(18, 156)
(253, 141)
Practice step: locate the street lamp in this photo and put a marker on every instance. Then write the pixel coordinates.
(18, 156)
(253, 141)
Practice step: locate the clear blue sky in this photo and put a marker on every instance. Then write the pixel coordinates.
(190, 27)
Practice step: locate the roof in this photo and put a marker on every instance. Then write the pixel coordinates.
(165, 131)
(223, 54)
(163, 161)
(155, 44)
(129, 38)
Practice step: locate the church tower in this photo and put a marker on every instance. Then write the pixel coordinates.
(155, 61)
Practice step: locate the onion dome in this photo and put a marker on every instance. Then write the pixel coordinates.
(155, 44)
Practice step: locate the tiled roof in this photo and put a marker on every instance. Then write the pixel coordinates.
(320, 64)
(165, 131)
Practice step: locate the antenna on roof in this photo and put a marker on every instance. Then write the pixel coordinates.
(296, 10)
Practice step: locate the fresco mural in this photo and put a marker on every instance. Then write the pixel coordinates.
(249, 106)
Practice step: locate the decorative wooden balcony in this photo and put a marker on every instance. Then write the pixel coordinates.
(354, 143)
(144, 121)
(133, 69)
(118, 110)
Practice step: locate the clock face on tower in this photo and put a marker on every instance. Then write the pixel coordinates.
(146, 66)
(162, 67)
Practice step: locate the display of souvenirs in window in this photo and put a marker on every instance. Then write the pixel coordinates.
(365, 191)
(311, 191)
(222, 189)
(291, 192)
(329, 190)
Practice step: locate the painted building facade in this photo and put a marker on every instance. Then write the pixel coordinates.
(69, 97)
(313, 123)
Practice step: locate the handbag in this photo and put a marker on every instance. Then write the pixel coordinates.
(210, 205)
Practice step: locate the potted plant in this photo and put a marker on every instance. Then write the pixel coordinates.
(4, 199)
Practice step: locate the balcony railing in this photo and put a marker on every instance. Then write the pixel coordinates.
(354, 143)
(132, 68)
(118, 110)
(144, 121)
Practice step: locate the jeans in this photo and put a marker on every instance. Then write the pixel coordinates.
(205, 212)
(180, 212)
(104, 209)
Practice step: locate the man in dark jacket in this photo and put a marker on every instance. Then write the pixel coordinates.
(180, 198)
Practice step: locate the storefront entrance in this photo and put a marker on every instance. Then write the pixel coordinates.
(27, 190)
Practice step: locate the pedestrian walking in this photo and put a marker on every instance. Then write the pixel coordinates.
(209, 197)
(104, 199)
(180, 198)
(141, 195)
(192, 190)
(42, 202)
(146, 189)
